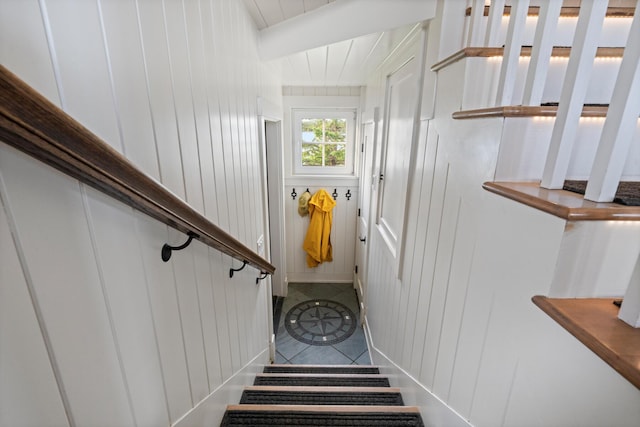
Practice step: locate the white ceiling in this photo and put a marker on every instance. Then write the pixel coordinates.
(344, 63)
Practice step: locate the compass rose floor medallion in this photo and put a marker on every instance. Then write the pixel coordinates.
(320, 322)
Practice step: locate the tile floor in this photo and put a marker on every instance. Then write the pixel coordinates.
(327, 312)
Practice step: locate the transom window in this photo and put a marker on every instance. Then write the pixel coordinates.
(323, 141)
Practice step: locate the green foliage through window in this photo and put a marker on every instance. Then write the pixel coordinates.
(324, 142)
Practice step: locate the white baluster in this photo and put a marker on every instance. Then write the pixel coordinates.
(620, 125)
(477, 12)
(630, 309)
(574, 89)
(512, 49)
(496, 12)
(541, 51)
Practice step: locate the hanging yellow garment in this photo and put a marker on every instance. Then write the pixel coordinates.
(317, 243)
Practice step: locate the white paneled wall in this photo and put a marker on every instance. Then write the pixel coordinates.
(94, 328)
(461, 323)
(343, 237)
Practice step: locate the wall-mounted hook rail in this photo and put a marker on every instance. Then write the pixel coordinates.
(233, 270)
(335, 194)
(263, 276)
(294, 194)
(166, 249)
(348, 195)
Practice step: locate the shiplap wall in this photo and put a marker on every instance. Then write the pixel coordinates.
(343, 231)
(461, 322)
(94, 328)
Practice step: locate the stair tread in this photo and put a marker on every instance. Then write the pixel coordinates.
(322, 396)
(325, 389)
(354, 380)
(321, 369)
(334, 415)
(487, 52)
(562, 203)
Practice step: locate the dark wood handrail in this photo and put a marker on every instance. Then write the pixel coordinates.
(34, 125)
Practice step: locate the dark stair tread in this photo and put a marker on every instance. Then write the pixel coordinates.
(347, 380)
(326, 369)
(340, 415)
(322, 396)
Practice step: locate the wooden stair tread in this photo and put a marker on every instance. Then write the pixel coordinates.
(318, 375)
(325, 408)
(595, 323)
(323, 389)
(526, 111)
(561, 203)
(566, 11)
(488, 52)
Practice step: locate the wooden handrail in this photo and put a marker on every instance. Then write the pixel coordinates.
(566, 11)
(34, 125)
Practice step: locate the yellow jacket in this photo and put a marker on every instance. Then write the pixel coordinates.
(317, 243)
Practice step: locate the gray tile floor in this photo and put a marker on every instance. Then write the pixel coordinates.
(318, 322)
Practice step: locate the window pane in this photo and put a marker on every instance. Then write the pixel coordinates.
(334, 154)
(311, 130)
(311, 154)
(335, 130)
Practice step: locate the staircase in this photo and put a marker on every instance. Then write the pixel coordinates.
(315, 395)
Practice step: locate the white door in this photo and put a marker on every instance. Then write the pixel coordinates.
(364, 207)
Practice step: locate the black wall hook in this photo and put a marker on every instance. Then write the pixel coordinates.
(294, 194)
(335, 194)
(262, 277)
(233, 270)
(348, 195)
(166, 249)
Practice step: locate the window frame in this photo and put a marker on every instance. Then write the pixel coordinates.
(297, 114)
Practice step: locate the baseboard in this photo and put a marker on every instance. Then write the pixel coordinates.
(210, 410)
(435, 412)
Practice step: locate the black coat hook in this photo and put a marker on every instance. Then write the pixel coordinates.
(348, 195)
(262, 277)
(308, 190)
(166, 249)
(232, 270)
(335, 194)
(294, 194)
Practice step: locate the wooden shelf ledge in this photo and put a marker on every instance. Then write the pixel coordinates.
(595, 323)
(566, 11)
(526, 111)
(561, 203)
(489, 52)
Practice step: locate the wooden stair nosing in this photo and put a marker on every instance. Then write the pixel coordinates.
(561, 203)
(488, 52)
(565, 11)
(323, 389)
(324, 408)
(526, 111)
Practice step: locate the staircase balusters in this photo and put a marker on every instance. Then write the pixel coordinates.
(620, 125)
(574, 89)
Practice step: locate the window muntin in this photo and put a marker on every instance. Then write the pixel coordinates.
(323, 141)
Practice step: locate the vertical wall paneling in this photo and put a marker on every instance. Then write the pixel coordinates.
(81, 336)
(107, 331)
(164, 303)
(82, 63)
(122, 38)
(24, 358)
(122, 273)
(183, 105)
(161, 97)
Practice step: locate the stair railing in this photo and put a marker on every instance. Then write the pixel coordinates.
(624, 107)
(34, 125)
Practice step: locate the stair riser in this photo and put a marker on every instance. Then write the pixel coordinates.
(614, 31)
(525, 142)
(481, 78)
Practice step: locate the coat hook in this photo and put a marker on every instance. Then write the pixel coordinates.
(262, 277)
(166, 249)
(232, 270)
(294, 194)
(348, 195)
(308, 190)
(335, 194)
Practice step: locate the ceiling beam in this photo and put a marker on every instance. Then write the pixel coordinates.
(338, 21)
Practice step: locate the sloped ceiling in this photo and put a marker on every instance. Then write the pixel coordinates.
(334, 42)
